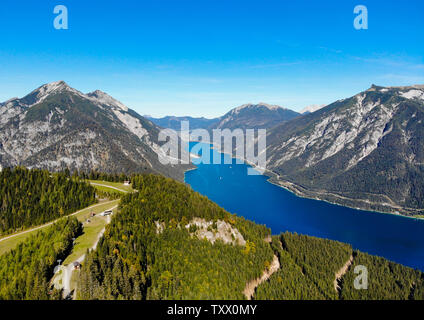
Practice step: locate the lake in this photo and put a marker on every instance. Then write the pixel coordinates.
(396, 238)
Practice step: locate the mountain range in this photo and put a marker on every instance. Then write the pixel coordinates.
(366, 151)
(56, 127)
(174, 123)
(255, 116)
(247, 116)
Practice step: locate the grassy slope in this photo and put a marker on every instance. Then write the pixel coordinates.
(89, 236)
(108, 189)
(82, 215)
(112, 184)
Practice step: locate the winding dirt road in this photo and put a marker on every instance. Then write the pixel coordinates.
(67, 270)
(107, 186)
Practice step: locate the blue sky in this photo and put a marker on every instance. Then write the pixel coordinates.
(204, 57)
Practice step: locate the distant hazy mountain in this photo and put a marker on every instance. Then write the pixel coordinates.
(56, 127)
(365, 151)
(312, 108)
(175, 122)
(247, 116)
(255, 116)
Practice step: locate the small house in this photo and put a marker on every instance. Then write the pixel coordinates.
(106, 213)
(127, 183)
(77, 265)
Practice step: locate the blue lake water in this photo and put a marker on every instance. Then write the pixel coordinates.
(396, 238)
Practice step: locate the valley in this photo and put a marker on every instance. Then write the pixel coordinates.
(342, 152)
(327, 154)
(211, 159)
(168, 240)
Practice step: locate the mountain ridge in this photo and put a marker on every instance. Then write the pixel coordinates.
(56, 127)
(255, 116)
(174, 122)
(247, 116)
(312, 108)
(364, 151)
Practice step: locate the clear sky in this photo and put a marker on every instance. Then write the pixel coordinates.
(203, 57)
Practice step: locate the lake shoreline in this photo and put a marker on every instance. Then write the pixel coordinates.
(384, 235)
(289, 187)
(301, 192)
(297, 191)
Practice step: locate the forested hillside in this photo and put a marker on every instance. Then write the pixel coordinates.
(148, 252)
(25, 272)
(152, 250)
(387, 280)
(97, 175)
(33, 197)
(309, 266)
(169, 242)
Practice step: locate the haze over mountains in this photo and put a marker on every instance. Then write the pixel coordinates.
(247, 116)
(174, 123)
(56, 127)
(255, 116)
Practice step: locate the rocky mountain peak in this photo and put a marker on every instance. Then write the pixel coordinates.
(256, 116)
(56, 127)
(354, 140)
(413, 92)
(258, 105)
(40, 94)
(51, 87)
(105, 99)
